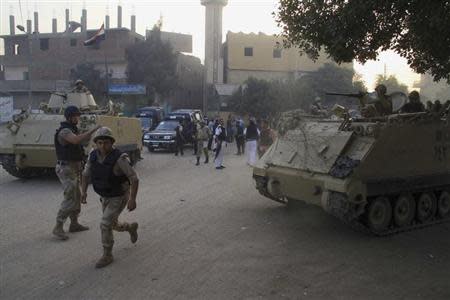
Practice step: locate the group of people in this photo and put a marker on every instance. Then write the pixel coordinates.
(109, 171)
(253, 139)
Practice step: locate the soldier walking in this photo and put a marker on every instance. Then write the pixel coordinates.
(203, 135)
(70, 154)
(114, 179)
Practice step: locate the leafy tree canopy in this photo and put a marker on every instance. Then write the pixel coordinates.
(392, 84)
(261, 98)
(359, 29)
(93, 79)
(153, 63)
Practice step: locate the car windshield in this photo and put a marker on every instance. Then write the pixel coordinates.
(167, 125)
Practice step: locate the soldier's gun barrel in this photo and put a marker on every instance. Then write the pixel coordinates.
(357, 95)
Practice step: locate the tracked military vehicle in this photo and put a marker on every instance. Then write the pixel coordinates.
(381, 175)
(27, 142)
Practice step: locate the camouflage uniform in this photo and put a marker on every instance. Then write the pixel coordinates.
(69, 176)
(112, 207)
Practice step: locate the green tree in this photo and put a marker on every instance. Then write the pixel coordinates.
(153, 63)
(264, 99)
(360, 29)
(93, 79)
(391, 83)
(256, 98)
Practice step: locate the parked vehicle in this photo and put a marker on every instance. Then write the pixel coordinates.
(188, 118)
(150, 117)
(163, 137)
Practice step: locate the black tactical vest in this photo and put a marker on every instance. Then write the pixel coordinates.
(69, 152)
(252, 132)
(223, 135)
(105, 183)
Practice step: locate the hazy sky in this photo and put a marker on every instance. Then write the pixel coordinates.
(185, 16)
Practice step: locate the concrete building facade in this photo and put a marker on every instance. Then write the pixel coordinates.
(48, 58)
(262, 56)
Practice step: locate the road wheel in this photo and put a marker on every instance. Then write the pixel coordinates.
(426, 207)
(404, 210)
(379, 214)
(444, 204)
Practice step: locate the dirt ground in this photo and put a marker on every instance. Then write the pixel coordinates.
(208, 234)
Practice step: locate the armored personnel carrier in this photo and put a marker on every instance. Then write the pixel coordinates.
(27, 142)
(381, 175)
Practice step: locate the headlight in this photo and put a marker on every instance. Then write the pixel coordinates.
(146, 136)
(168, 137)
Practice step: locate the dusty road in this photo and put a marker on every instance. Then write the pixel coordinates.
(207, 234)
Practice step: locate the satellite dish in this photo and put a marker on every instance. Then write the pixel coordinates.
(398, 99)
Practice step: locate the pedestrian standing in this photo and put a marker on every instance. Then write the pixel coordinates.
(251, 134)
(240, 139)
(114, 179)
(179, 139)
(211, 128)
(70, 154)
(220, 137)
(229, 129)
(203, 135)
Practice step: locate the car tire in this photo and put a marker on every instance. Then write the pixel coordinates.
(150, 149)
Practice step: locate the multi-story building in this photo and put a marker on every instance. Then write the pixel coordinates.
(262, 56)
(42, 62)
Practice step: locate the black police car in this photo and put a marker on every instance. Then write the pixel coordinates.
(163, 137)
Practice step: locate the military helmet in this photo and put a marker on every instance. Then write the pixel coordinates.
(104, 133)
(71, 111)
(381, 88)
(79, 81)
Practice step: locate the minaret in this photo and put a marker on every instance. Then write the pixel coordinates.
(213, 40)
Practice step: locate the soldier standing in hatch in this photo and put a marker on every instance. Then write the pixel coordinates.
(384, 104)
(70, 154)
(79, 87)
(414, 105)
(266, 138)
(114, 179)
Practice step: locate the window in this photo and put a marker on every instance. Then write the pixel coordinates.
(16, 49)
(73, 42)
(248, 51)
(276, 53)
(43, 44)
(26, 75)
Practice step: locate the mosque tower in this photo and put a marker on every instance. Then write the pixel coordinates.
(213, 40)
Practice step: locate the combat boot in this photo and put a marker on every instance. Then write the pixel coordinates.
(198, 161)
(106, 259)
(75, 226)
(58, 231)
(132, 229)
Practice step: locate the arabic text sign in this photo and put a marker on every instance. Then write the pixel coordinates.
(127, 89)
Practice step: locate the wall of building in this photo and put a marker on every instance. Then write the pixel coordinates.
(431, 90)
(68, 50)
(15, 73)
(267, 56)
(240, 76)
